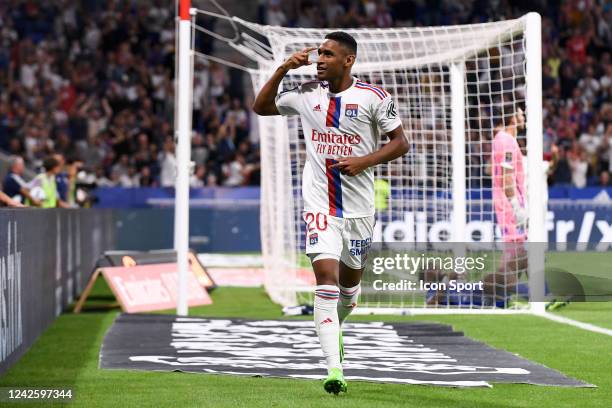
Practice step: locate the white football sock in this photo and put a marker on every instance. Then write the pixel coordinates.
(326, 322)
(348, 301)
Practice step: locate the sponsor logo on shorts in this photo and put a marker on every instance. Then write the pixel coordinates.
(360, 246)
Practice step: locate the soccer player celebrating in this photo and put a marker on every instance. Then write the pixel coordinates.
(509, 198)
(342, 118)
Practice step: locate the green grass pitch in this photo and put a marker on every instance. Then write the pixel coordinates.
(66, 355)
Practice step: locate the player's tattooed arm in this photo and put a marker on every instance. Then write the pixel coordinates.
(264, 104)
(396, 147)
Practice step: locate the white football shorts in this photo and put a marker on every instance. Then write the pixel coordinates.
(344, 239)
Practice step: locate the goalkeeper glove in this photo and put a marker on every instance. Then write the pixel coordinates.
(520, 213)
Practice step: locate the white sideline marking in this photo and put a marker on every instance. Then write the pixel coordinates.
(435, 311)
(575, 323)
(459, 311)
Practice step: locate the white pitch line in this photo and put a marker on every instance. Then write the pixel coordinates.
(575, 323)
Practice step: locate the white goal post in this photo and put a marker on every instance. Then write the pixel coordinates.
(446, 82)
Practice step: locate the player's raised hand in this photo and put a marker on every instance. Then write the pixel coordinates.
(351, 166)
(298, 59)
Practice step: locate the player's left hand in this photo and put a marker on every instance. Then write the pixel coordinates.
(351, 166)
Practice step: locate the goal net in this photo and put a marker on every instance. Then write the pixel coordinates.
(447, 83)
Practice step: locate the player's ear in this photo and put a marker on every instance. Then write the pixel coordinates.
(350, 60)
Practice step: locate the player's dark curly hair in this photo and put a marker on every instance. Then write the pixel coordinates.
(344, 39)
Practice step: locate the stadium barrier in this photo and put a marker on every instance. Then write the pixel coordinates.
(46, 257)
(228, 229)
(238, 229)
(228, 219)
(245, 197)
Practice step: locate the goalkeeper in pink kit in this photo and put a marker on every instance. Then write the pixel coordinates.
(509, 199)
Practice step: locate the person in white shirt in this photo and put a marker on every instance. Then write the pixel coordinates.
(580, 168)
(168, 164)
(233, 171)
(342, 119)
(589, 85)
(275, 15)
(590, 140)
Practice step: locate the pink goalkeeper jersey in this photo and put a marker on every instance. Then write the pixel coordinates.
(507, 154)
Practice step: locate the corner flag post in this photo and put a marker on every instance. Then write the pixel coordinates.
(183, 153)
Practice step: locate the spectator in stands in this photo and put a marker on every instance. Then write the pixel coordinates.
(211, 180)
(579, 166)
(548, 82)
(382, 18)
(577, 46)
(94, 82)
(604, 179)
(252, 170)
(197, 178)
(605, 150)
(227, 138)
(563, 173)
(606, 79)
(333, 12)
(275, 15)
(590, 141)
(15, 187)
(121, 169)
(589, 85)
(146, 178)
(199, 152)
(233, 170)
(129, 179)
(101, 178)
(168, 164)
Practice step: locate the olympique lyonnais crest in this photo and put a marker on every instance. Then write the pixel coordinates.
(352, 110)
(314, 238)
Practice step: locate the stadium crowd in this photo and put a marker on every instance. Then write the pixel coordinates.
(91, 81)
(577, 66)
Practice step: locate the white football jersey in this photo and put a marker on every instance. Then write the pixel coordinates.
(344, 124)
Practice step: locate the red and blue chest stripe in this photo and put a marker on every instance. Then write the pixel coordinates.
(333, 112)
(334, 188)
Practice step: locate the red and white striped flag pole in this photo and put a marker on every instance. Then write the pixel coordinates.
(183, 152)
